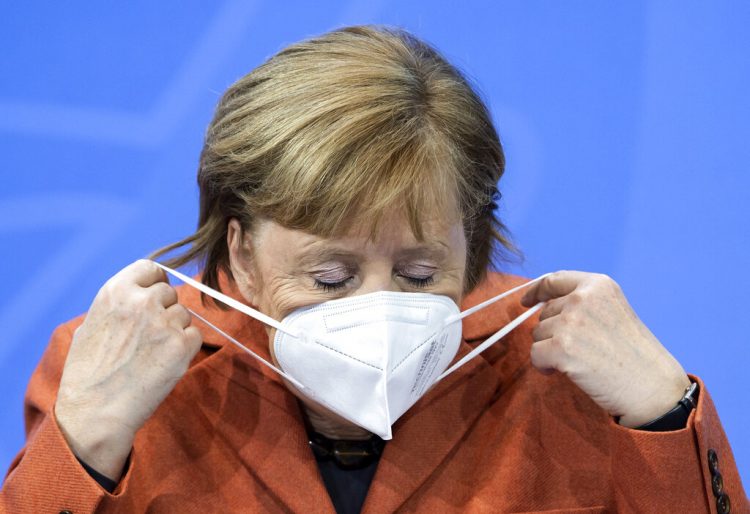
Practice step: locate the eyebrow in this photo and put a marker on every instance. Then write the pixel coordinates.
(322, 251)
(437, 249)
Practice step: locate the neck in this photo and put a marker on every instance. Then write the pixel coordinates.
(336, 429)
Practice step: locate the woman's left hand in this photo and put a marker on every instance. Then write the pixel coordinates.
(588, 331)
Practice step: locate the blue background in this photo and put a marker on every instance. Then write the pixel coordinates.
(625, 125)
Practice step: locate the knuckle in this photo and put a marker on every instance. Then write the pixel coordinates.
(605, 281)
(183, 344)
(139, 298)
(103, 295)
(536, 353)
(136, 301)
(144, 267)
(110, 287)
(546, 311)
(144, 264)
(178, 342)
(569, 317)
(187, 316)
(170, 344)
(181, 315)
(194, 336)
(562, 343)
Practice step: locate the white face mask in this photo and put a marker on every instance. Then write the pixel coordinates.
(367, 358)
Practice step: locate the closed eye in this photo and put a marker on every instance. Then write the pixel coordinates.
(420, 282)
(330, 287)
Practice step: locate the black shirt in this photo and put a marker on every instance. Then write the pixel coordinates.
(347, 468)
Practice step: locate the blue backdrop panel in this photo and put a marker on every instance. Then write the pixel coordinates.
(625, 125)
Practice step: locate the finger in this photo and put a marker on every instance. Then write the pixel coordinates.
(545, 329)
(164, 293)
(552, 286)
(552, 308)
(144, 273)
(193, 340)
(178, 316)
(546, 355)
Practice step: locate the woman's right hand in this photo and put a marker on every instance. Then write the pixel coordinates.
(131, 350)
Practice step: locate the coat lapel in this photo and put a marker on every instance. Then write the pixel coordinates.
(264, 421)
(258, 418)
(427, 434)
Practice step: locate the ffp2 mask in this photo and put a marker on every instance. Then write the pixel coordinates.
(368, 358)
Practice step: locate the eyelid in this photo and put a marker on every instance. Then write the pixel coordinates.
(337, 273)
(330, 287)
(421, 270)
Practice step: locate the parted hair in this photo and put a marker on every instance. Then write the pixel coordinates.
(343, 127)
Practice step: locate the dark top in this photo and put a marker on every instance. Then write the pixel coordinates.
(347, 468)
(347, 487)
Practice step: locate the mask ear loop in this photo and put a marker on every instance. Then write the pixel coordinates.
(240, 307)
(228, 300)
(497, 335)
(246, 349)
(480, 306)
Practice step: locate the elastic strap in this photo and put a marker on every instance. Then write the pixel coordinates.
(246, 349)
(240, 307)
(492, 340)
(497, 335)
(479, 307)
(216, 295)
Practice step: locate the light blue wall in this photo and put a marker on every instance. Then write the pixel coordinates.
(625, 124)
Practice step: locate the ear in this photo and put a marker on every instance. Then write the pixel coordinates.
(241, 260)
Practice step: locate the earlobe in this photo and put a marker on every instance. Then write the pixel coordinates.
(241, 260)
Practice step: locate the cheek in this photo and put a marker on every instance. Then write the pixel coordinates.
(278, 299)
(284, 295)
(453, 287)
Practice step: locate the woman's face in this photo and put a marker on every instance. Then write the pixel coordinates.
(279, 270)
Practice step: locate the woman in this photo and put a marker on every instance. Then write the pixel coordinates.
(348, 195)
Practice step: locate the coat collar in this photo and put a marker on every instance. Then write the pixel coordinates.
(422, 438)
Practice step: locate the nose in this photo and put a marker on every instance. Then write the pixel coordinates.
(376, 278)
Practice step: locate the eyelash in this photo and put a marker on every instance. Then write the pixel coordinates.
(330, 287)
(420, 282)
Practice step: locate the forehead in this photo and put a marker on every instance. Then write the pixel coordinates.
(440, 238)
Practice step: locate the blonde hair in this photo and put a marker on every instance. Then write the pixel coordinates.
(348, 126)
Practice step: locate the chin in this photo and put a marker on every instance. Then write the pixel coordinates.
(325, 420)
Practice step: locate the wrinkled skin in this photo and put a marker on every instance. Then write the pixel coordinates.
(133, 347)
(588, 331)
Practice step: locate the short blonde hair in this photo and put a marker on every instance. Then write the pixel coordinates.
(348, 126)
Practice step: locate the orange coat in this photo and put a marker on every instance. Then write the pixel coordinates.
(496, 436)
